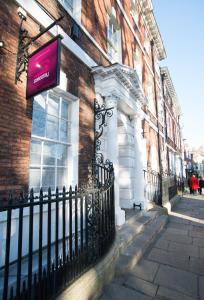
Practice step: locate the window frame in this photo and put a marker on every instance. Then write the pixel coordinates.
(75, 12)
(134, 15)
(138, 65)
(71, 165)
(112, 22)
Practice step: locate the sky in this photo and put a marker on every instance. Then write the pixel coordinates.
(181, 24)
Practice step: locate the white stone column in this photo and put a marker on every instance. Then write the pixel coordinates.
(140, 157)
(113, 155)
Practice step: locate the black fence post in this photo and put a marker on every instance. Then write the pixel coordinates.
(7, 250)
(30, 247)
(20, 239)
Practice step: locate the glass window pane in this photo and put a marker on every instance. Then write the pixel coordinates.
(48, 178)
(64, 112)
(53, 106)
(49, 153)
(61, 177)
(69, 4)
(61, 155)
(35, 152)
(52, 127)
(34, 179)
(64, 131)
(39, 115)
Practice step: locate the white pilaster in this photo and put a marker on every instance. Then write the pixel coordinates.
(139, 161)
(113, 154)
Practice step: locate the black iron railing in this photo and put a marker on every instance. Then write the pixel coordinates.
(52, 238)
(152, 186)
(178, 186)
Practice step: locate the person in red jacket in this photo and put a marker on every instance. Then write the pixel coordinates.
(194, 184)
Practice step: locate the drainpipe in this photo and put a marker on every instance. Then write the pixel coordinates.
(157, 115)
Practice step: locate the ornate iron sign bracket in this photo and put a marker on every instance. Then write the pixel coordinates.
(24, 41)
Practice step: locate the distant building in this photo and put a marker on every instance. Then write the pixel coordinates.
(194, 160)
(173, 149)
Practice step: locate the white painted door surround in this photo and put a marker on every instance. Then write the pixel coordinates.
(120, 88)
(127, 160)
(113, 155)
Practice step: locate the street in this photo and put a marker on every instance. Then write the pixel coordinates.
(173, 266)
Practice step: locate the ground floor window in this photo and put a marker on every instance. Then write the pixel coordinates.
(50, 141)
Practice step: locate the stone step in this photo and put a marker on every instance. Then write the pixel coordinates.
(132, 254)
(132, 239)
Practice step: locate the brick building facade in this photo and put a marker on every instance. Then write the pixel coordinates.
(173, 135)
(110, 52)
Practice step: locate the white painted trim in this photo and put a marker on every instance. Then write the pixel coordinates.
(65, 94)
(75, 143)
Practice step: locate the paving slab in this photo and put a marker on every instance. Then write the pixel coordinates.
(145, 269)
(201, 287)
(172, 294)
(168, 258)
(177, 231)
(198, 242)
(179, 238)
(178, 220)
(197, 232)
(118, 292)
(179, 225)
(178, 280)
(197, 265)
(198, 228)
(162, 244)
(141, 285)
(183, 249)
(201, 252)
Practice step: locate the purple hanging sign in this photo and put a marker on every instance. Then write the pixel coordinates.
(44, 68)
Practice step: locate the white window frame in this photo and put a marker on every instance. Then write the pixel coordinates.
(133, 13)
(116, 56)
(137, 64)
(147, 45)
(75, 12)
(72, 144)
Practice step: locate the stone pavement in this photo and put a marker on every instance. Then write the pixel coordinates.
(173, 266)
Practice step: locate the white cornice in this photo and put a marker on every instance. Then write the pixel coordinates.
(127, 77)
(170, 87)
(147, 10)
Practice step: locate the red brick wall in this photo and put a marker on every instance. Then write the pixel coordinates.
(16, 111)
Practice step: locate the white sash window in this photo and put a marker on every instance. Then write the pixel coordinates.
(50, 141)
(114, 38)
